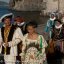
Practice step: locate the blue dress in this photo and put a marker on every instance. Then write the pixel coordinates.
(49, 26)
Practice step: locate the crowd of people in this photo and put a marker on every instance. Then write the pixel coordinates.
(55, 28)
(20, 43)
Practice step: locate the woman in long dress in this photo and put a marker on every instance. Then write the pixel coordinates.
(33, 50)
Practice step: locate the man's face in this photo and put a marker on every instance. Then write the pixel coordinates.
(18, 20)
(52, 16)
(7, 21)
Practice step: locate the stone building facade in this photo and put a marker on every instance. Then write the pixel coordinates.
(28, 5)
(55, 5)
(38, 5)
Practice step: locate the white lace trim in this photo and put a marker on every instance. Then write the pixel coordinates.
(57, 27)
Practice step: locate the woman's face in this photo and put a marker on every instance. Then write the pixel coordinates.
(30, 29)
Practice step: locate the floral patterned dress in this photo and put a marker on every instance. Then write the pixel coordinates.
(34, 50)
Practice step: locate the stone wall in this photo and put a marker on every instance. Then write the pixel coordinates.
(28, 5)
(45, 6)
(61, 6)
(52, 6)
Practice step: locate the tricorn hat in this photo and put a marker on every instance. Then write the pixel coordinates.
(9, 15)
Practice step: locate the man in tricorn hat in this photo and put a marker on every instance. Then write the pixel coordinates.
(10, 36)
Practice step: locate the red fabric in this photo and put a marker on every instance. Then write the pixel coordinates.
(19, 19)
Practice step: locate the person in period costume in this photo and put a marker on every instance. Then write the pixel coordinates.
(58, 37)
(58, 34)
(48, 32)
(50, 24)
(49, 29)
(33, 50)
(19, 22)
(10, 36)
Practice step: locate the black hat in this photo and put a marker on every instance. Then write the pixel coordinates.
(58, 20)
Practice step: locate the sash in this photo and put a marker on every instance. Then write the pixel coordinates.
(41, 46)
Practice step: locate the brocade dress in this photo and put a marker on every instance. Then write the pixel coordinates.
(34, 50)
